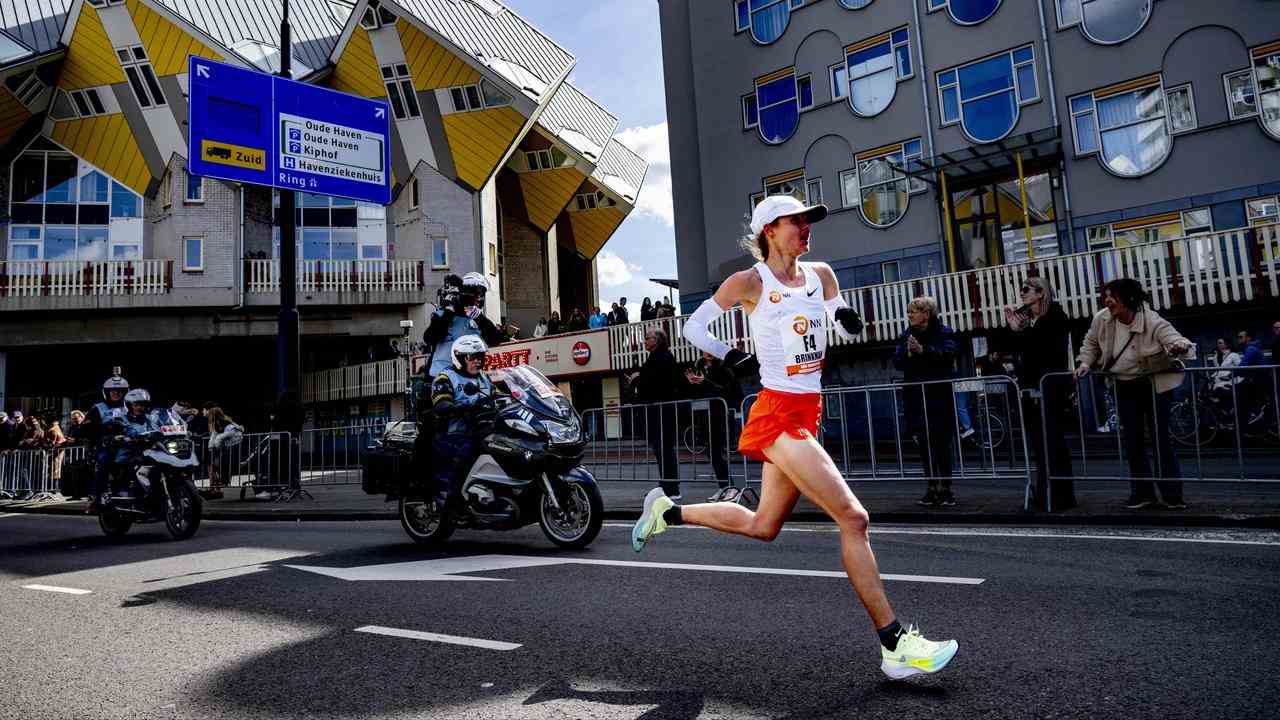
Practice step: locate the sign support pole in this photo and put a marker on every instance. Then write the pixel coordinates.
(289, 412)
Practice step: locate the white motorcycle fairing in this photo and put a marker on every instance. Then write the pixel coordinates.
(171, 461)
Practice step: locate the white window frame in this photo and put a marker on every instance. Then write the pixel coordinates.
(1057, 11)
(415, 197)
(1092, 113)
(747, 124)
(1226, 92)
(186, 189)
(399, 85)
(885, 155)
(1264, 219)
(470, 104)
(809, 185)
(960, 100)
(187, 267)
(753, 200)
(1168, 114)
(897, 270)
(376, 16)
(31, 88)
(737, 28)
(1186, 226)
(148, 82)
(839, 90)
(86, 102)
(1099, 130)
(813, 101)
(444, 241)
(845, 200)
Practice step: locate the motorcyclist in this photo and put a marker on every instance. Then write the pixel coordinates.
(131, 422)
(93, 432)
(460, 395)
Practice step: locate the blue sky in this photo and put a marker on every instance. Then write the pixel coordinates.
(619, 51)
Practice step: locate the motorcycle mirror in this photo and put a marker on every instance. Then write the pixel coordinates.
(470, 389)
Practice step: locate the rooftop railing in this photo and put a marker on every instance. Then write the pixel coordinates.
(69, 278)
(263, 275)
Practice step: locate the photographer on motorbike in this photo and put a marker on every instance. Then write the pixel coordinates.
(93, 431)
(460, 395)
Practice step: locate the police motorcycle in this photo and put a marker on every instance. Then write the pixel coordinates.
(156, 477)
(528, 469)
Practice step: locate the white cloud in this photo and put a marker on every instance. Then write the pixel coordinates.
(613, 270)
(650, 143)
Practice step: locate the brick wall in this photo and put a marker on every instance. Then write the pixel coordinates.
(524, 256)
(216, 220)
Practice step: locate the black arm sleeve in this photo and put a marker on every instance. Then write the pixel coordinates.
(488, 332)
(438, 329)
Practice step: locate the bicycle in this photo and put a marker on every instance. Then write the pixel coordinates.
(1197, 424)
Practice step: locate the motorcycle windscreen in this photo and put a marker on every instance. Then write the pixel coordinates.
(167, 421)
(528, 385)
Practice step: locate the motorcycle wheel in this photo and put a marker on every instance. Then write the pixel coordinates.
(579, 520)
(113, 524)
(184, 519)
(421, 522)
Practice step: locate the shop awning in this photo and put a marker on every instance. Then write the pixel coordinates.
(978, 163)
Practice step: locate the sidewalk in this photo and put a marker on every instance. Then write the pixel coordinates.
(980, 503)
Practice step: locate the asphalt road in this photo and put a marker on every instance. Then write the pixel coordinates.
(1095, 624)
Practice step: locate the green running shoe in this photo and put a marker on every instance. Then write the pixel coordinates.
(650, 522)
(916, 655)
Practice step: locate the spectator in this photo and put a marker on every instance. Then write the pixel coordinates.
(647, 309)
(665, 310)
(540, 330)
(577, 321)
(6, 432)
(1224, 356)
(224, 434)
(1133, 343)
(19, 428)
(1253, 355)
(659, 381)
(709, 378)
(73, 430)
(1041, 333)
(927, 351)
(1275, 343)
(623, 318)
(55, 439)
(598, 319)
(553, 325)
(613, 315)
(510, 331)
(33, 437)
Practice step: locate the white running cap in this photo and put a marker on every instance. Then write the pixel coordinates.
(776, 206)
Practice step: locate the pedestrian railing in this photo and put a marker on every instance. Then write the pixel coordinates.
(335, 456)
(686, 440)
(1219, 425)
(260, 465)
(33, 475)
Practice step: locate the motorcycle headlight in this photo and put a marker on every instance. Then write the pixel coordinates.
(521, 426)
(563, 433)
(171, 447)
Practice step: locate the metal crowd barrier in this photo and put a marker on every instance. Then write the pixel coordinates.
(335, 456)
(679, 441)
(1224, 419)
(908, 431)
(33, 475)
(263, 465)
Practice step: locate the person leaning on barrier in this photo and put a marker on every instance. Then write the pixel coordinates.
(1134, 344)
(927, 351)
(1040, 333)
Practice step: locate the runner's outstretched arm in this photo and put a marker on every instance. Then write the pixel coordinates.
(738, 288)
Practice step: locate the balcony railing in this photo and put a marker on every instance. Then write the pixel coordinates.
(68, 278)
(263, 276)
(1228, 267)
(374, 379)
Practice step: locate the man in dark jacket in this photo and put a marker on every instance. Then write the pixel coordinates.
(660, 381)
(927, 351)
(709, 378)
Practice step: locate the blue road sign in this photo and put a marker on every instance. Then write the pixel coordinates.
(252, 127)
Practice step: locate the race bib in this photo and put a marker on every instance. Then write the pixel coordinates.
(804, 344)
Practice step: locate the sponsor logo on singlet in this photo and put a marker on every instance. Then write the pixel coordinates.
(775, 297)
(800, 324)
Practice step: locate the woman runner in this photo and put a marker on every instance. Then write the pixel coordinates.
(791, 305)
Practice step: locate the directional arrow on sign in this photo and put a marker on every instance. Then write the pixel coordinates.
(379, 113)
(202, 71)
(450, 569)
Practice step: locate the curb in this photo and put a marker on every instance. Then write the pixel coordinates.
(1239, 521)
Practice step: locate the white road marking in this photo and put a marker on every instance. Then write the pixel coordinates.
(55, 588)
(5, 515)
(437, 637)
(1010, 533)
(447, 569)
(177, 571)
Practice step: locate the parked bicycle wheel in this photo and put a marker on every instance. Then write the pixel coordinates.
(1193, 425)
(694, 441)
(991, 429)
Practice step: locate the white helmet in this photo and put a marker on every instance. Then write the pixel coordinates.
(115, 382)
(475, 280)
(137, 395)
(464, 347)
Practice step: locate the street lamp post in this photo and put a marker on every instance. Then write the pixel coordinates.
(406, 352)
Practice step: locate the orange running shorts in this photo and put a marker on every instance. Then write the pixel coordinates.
(775, 413)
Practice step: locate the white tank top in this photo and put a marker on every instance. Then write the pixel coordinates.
(790, 329)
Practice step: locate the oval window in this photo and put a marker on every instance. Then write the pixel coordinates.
(1108, 22)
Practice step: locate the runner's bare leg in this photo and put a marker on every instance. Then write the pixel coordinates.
(803, 467)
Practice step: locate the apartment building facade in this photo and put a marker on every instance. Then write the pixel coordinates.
(111, 253)
(952, 135)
